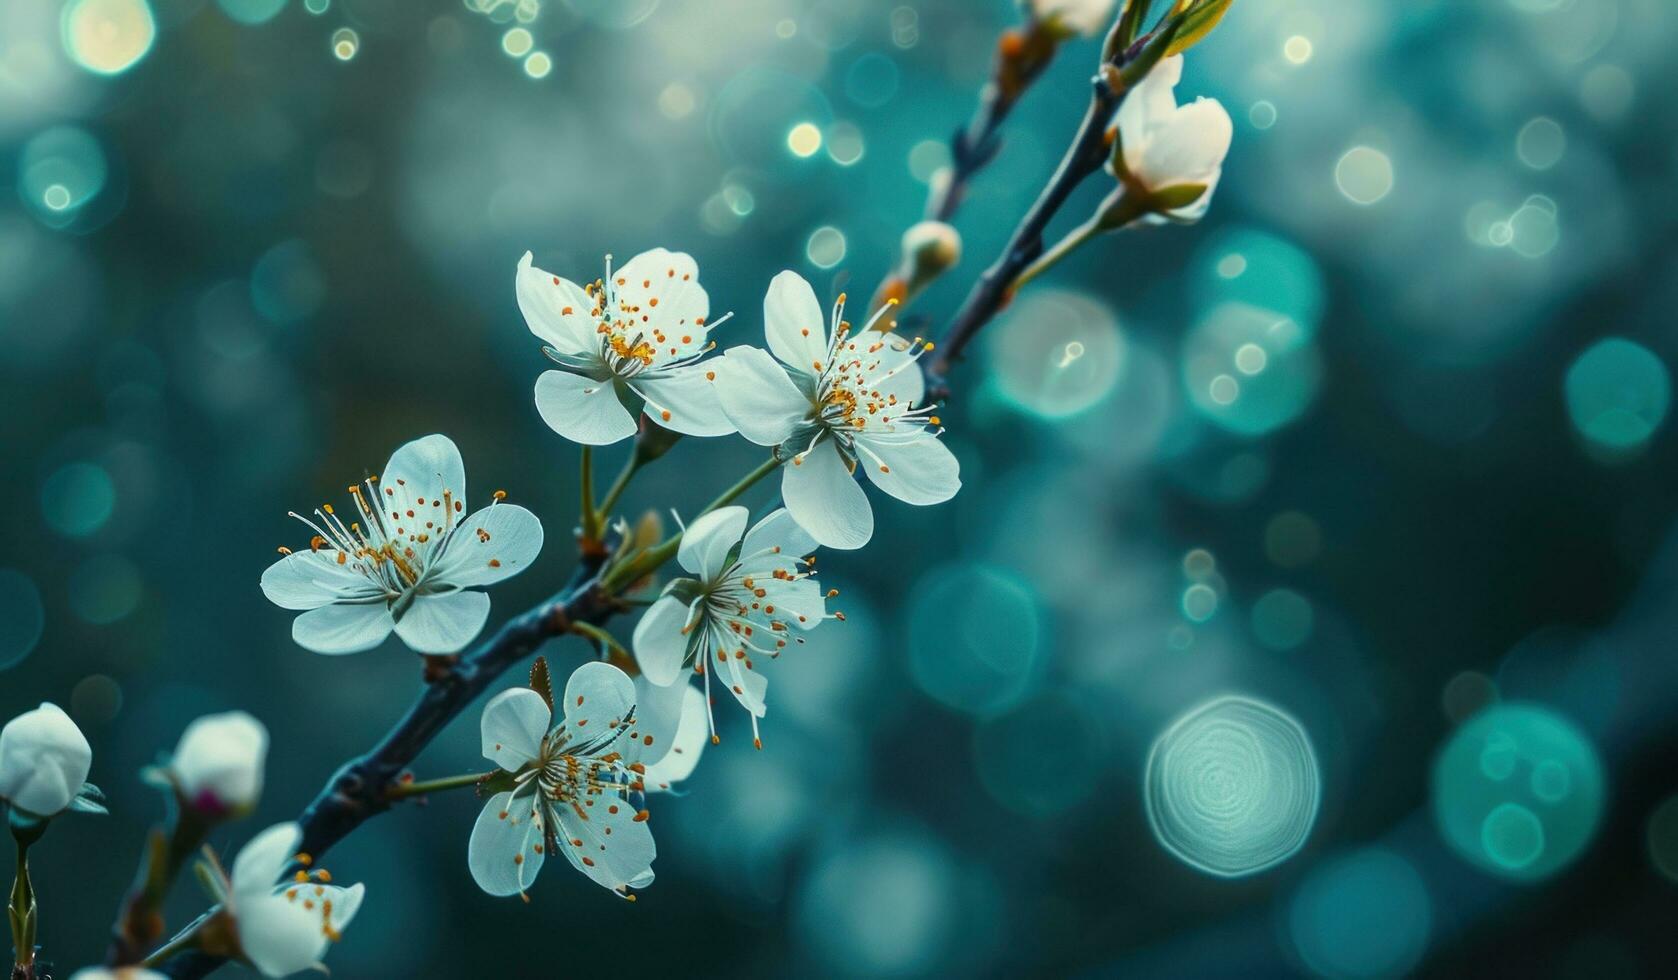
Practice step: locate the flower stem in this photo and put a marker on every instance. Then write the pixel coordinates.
(1048, 260)
(649, 560)
(631, 466)
(22, 912)
(402, 791)
(589, 519)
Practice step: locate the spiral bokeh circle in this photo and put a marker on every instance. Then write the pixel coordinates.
(1232, 787)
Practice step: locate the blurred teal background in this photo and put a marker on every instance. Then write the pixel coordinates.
(1380, 442)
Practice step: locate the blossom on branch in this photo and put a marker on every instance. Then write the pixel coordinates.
(1169, 157)
(218, 766)
(833, 399)
(279, 927)
(751, 594)
(44, 761)
(576, 786)
(406, 564)
(629, 342)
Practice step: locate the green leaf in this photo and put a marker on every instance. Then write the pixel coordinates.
(1198, 21)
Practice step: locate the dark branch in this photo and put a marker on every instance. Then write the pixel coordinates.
(356, 793)
(991, 293)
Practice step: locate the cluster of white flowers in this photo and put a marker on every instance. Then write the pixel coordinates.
(633, 353)
(278, 926)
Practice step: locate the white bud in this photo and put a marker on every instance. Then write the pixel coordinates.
(218, 765)
(930, 248)
(44, 759)
(1161, 146)
(1087, 17)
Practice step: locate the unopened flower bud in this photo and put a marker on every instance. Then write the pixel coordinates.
(1072, 17)
(44, 759)
(218, 764)
(1168, 156)
(929, 249)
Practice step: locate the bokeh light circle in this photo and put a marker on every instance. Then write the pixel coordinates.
(60, 171)
(974, 637)
(77, 499)
(21, 617)
(1282, 619)
(1237, 390)
(105, 589)
(1233, 787)
(251, 12)
(1364, 915)
(895, 905)
(1518, 791)
(1249, 266)
(1056, 353)
(1364, 175)
(108, 37)
(1663, 838)
(1618, 393)
(1008, 749)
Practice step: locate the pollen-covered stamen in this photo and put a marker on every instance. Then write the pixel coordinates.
(850, 395)
(399, 539)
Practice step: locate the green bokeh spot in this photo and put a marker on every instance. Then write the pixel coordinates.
(1518, 791)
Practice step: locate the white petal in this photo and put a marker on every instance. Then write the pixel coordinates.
(311, 579)
(343, 627)
(280, 936)
(263, 859)
(512, 727)
(1189, 147)
(494, 543)
(597, 697)
(505, 851)
(218, 764)
(778, 530)
(685, 400)
(915, 468)
(658, 717)
(692, 733)
(1146, 108)
(802, 603)
(581, 409)
(660, 645)
(288, 931)
(607, 842)
(118, 973)
(44, 759)
(423, 470)
(443, 623)
(747, 685)
(758, 397)
(557, 310)
(794, 324)
(660, 290)
(824, 498)
(708, 540)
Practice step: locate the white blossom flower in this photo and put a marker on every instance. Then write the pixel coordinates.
(750, 591)
(406, 564)
(218, 765)
(835, 400)
(686, 745)
(1171, 155)
(116, 973)
(631, 341)
(284, 927)
(576, 786)
(1087, 17)
(44, 760)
